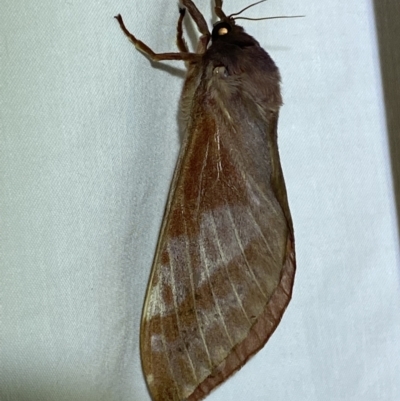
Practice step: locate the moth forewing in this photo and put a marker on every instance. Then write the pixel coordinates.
(224, 266)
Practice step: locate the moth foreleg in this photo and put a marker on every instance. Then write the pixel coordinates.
(149, 52)
(201, 25)
(197, 17)
(218, 9)
(180, 41)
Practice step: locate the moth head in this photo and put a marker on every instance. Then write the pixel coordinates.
(226, 30)
(225, 27)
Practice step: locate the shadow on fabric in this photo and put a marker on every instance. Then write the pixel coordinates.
(387, 16)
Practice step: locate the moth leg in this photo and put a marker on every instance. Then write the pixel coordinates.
(218, 9)
(180, 41)
(197, 17)
(150, 53)
(201, 25)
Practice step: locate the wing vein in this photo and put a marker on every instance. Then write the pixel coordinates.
(177, 315)
(222, 254)
(239, 242)
(262, 235)
(204, 258)
(253, 184)
(201, 178)
(166, 351)
(193, 295)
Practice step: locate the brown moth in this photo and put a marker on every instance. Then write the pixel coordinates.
(225, 262)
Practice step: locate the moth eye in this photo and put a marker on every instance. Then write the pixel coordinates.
(220, 71)
(222, 28)
(222, 31)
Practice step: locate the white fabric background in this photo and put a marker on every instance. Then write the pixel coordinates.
(89, 140)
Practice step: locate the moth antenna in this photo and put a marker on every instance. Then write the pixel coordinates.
(246, 8)
(277, 17)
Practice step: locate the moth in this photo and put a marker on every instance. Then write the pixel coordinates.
(224, 267)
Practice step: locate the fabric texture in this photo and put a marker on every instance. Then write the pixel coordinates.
(88, 143)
